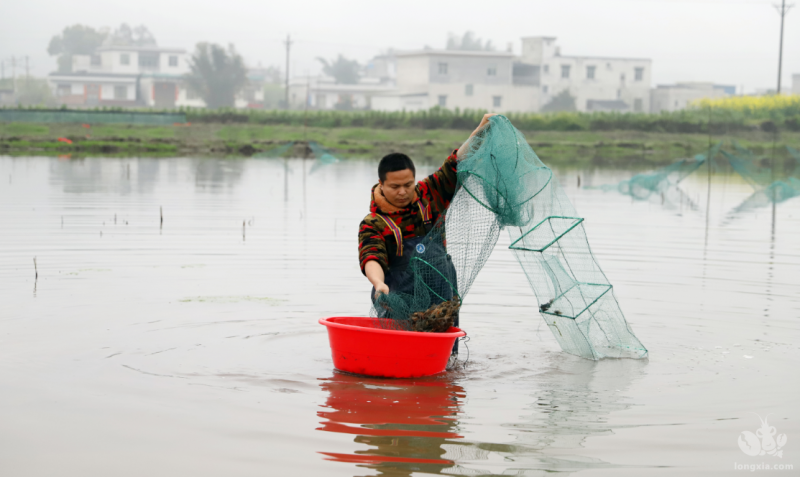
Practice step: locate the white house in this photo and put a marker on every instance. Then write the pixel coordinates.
(678, 96)
(322, 92)
(597, 83)
(126, 76)
(452, 79)
(502, 82)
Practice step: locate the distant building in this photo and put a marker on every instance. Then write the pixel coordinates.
(796, 83)
(252, 96)
(126, 76)
(503, 82)
(678, 96)
(323, 92)
(596, 83)
(383, 68)
(452, 79)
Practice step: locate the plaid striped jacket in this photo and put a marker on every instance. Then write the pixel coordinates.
(377, 238)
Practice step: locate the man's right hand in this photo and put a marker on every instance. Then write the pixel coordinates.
(381, 289)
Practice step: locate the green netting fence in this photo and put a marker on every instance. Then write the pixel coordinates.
(89, 117)
(773, 181)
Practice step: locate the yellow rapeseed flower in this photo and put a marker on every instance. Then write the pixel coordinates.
(750, 104)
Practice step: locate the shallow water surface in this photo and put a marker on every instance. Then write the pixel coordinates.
(190, 345)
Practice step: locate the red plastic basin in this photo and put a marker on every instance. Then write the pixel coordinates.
(359, 347)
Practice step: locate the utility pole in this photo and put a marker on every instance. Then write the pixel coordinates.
(14, 72)
(782, 10)
(288, 46)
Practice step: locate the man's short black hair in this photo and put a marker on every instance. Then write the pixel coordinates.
(394, 162)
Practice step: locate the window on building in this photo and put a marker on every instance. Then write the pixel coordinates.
(125, 59)
(148, 60)
(619, 94)
(320, 101)
(491, 71)
(443, 100)
(173, 60)
(468, 90)
(97, 60)
(497, 101)
(565, 71)
(442, 68)
(545, 89)
(638, 105)
(590, 72)
(622, 77)
(191, 94)
(546, 69)
(608, 66)
(638, 74)
(63, 90)
(121, 92)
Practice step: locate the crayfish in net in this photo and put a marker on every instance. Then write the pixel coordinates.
(438, 318)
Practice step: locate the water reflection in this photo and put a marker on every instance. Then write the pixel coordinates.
(411, 425)
(141, 175)
(403, 422)
(123, 176)
(216, 173)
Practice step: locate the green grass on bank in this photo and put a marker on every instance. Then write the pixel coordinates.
(244, 139)
(724, 116)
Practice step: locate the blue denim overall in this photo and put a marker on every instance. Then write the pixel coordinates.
(400, 279)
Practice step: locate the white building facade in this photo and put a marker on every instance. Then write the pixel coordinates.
(502, 82)
(458, 79)
(596, 83)
(323, 92)
(126, 76)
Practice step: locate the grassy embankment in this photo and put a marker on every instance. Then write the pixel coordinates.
(566, 137)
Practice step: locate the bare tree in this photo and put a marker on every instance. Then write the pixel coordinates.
(127, 36)
(468, 41)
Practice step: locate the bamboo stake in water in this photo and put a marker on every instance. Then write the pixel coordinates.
(161, 210)
(35, 268)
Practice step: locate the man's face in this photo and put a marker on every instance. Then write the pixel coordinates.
(398, 188)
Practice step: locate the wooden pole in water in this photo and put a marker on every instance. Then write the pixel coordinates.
(161, 210)
(35, 269)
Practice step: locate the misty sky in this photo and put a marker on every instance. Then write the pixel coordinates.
(724, 41)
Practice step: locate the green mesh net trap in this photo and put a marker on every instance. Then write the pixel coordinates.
(772, 183)
(662, 183)
(503, 185)
(322, 157)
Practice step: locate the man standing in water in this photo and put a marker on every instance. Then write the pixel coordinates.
(402, 212)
